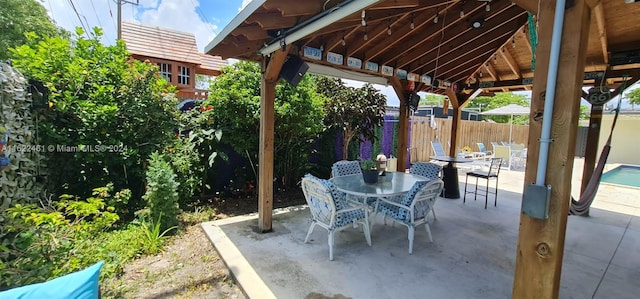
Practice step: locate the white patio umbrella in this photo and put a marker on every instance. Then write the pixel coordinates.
(511, 110)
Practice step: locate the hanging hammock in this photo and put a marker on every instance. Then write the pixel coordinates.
(581, 206)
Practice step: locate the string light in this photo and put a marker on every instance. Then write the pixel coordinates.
(488, 7)
(495, 59)
(435, 19)
(412, 26)
(480, 74)
(366, 37)
(344, 42)
(513, 43)
(389, 28)
(362, 16)
(462, 9)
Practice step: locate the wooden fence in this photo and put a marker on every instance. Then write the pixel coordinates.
(469, 133)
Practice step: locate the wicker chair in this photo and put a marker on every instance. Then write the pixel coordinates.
(330, 210)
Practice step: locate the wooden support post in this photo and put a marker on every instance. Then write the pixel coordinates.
(541, 242)
(457, 103)
(270, 75)
(592, 146)
(403, 124)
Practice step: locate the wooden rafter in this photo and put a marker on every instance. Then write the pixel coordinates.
(336, 40)
(271, 20)
(294, 7)
(470, 40)
(449, 22)
(602, 30)
(511, 62)
(491, 71)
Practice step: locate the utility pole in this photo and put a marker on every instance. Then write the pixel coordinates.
(120, 2)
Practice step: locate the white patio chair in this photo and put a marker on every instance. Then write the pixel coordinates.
(331, 211)
(428, 170)
(345, 167)
(412, 209)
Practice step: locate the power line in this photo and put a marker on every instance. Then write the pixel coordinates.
(79, 17)
(204, 17)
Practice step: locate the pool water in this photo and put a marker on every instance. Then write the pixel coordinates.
(623, 175)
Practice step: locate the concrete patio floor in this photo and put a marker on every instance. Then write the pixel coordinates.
(472, 256)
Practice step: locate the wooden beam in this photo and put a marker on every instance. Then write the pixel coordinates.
(271, 20)
(251, 32)
(592, 147)
(455, 121)
(602, 30)
(275, 63)
(457, 33)
(403, 126)
(528, 5)
(496, 29)
(294, 8)
(271, 70)
(513, 65)
(525, 37)
(541, 242)
(491, 71)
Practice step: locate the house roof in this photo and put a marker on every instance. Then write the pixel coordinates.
(162, 43)
(432, 37)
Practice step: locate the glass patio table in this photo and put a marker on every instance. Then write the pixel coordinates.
(391, 184)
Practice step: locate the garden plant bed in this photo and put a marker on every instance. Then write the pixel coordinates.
(189, 266)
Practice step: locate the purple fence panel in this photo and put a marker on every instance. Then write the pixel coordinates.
(365, 150)
(408, 147)
(338, 149)
(387, 135)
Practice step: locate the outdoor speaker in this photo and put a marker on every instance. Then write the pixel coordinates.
(293, 70)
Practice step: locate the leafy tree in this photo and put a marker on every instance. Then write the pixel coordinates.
(112, 112)
(235, 103)
(499, 100)
(18, 17)
(355, 111)
(634, 96)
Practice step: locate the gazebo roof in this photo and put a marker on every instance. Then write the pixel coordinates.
(434, 38)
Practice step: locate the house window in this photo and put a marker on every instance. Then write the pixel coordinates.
(165, 71)
(183, 76)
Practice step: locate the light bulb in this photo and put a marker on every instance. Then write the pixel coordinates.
(488, 7)
(389, 30)
(462, 13)
(435, 20)
(513, 43)
(344, 43)
(364, 23)
(480, 74)
(495, 59)
(412, 25)
(366, 37)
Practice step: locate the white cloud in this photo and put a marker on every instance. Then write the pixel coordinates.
(173, 14)
(244, 4)
(182, 16)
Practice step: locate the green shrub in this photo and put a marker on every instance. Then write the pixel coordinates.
(162, 195)
(40, 243)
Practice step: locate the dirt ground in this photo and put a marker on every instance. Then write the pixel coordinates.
(189, 266)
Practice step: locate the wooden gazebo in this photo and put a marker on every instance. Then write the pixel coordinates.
(461, 48)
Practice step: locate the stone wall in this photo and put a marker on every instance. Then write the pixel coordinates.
(20, 154)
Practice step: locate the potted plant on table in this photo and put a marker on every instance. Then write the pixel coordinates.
(369, 171)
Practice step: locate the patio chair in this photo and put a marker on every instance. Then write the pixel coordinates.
(428, 170)
(503, 152)
(412, 209)
(345, 167)
(438, 150)
(494, 171)
(331, 211)
(483, 152)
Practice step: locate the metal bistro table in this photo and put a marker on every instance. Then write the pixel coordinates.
(391, 184)
(450, 175)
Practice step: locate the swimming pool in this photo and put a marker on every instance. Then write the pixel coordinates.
(623, 175)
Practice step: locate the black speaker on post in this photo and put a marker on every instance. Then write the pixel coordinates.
(293, 70)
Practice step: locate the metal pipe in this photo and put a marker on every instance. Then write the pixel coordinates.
(552, 76)
(316, 23)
